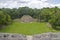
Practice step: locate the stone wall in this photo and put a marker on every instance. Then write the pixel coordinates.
(44, 36)
(47, 36)
(6, 36)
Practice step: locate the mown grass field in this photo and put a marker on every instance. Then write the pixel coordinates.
(27, 28)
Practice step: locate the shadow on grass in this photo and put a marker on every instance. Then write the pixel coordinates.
(56, 28)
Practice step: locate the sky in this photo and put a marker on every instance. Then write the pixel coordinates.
(29, 3)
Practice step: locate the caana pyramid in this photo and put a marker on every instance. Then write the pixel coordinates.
(26, 18)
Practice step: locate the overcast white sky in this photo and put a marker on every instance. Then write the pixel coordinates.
(29, 3)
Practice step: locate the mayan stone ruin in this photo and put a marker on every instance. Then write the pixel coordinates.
(27, 18)
(6, 36)
(44, 36)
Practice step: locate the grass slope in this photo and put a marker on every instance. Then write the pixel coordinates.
(26, 28)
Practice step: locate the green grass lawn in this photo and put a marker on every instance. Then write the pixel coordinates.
(27, 28)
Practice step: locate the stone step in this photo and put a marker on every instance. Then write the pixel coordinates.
(29, 37)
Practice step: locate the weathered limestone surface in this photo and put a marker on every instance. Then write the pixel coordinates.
(44, 36)
(47, 36)
(6, 36)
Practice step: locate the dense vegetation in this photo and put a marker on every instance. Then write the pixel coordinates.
(51, 15)
(4, 19)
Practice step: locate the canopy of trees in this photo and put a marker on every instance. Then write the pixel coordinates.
(4, 19)
(51, 15)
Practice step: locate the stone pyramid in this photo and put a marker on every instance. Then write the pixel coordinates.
(26, 18)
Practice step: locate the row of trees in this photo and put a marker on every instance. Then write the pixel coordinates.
(51, 15)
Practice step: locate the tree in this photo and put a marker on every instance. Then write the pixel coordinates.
(45, 14)
(55, 18)
(4, 18)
